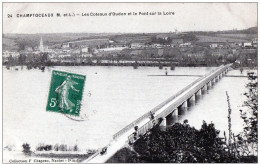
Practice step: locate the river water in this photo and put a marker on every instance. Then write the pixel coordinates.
(113, 97)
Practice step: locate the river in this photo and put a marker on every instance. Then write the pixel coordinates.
(113, 97)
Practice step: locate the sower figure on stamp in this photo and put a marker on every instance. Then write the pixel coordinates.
(63, 94)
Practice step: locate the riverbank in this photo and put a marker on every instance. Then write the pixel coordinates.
(132, 64)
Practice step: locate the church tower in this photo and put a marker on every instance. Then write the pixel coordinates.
(41, 48)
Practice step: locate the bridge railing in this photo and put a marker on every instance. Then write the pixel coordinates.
(142, 130)
(146, 115)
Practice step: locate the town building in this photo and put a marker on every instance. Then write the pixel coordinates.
(247, 45)
(43, 48)
(84, 49)
(65, 45)
(7, 54)
(137, 45)
(188, 44)
(255, 42)
(213, 45)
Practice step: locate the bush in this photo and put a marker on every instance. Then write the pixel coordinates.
(124, 155)
(26, 148)
(75, 148)
(43, 147)
(63, 147)
(56, 147)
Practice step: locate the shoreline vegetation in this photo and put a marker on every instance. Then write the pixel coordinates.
(57, 151)
(134, 65)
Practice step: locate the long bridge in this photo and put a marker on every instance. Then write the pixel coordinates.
(172, 107)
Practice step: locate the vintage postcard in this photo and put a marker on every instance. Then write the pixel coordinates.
(130, 82)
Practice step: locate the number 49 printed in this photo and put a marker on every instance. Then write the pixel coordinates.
(65, 94)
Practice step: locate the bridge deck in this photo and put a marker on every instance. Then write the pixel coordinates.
(121, 140)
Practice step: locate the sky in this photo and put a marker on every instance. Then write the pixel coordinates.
(187, 17)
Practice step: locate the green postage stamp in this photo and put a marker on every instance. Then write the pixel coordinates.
(65, 93)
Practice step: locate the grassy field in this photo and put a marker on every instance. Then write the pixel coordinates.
(129, 38)
(238, 36)
(9, 44)
(13, 41)
(219, 39)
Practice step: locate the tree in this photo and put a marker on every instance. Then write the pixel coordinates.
(248, 140)
(26, 149)
(182, 143)
(21, 59)
(75, 148)
(44, 58)
(11, 61)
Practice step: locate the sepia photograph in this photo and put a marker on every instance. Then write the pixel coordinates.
(129, 82)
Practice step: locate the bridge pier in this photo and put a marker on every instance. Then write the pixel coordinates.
(213, 81)
(198, 93)
(163, 124)
(172, 117)
(205, 88)
(226, 71)
(217, 78)
(184, 104)
(182, 108)
(175, 112)
(175, 115)
(191, 100)
(209, 84)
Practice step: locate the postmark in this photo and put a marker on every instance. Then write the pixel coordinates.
(65, 93)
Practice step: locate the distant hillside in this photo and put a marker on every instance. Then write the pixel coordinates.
(16, 42)
(224, 36)
(251, 30)
(19, 41)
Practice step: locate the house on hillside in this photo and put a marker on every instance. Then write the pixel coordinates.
(65, 45)
(247, 44)
(61, 56)
(9, 53)
(85, 55)
(137, 45)
(28, 49)
(255, 42)
(213, 45)
(156, 45)
(188, 44)
(85, 49)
